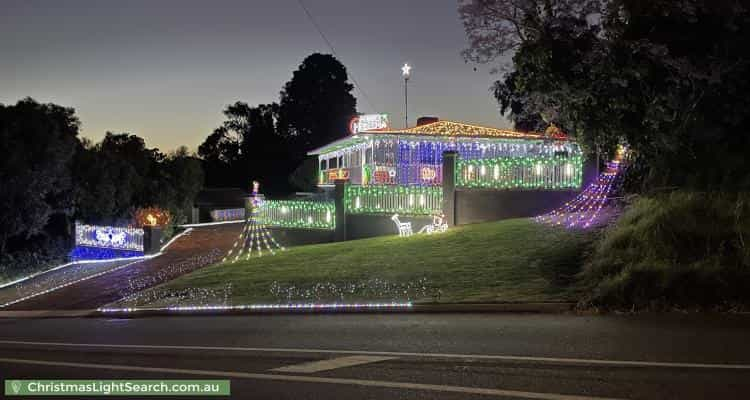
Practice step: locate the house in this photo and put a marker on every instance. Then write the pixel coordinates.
(489, 157)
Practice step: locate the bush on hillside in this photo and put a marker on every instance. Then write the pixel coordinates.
(682, 249)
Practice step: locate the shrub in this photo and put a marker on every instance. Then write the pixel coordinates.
(682, 249)
(37, 257)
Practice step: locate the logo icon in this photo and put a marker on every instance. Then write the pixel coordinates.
(16, 386)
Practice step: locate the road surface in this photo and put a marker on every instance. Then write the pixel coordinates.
(399, 356)
(198, 248)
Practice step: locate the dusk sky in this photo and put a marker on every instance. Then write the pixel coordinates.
(164, 70)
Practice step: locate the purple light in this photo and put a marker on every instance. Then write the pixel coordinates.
(585, 210)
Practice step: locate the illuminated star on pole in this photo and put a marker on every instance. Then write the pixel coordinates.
(405, 70)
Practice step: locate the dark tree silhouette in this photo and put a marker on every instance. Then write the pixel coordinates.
(120, 174)
(316, 104)
(38, 142)
(269, 142)
(668, 78)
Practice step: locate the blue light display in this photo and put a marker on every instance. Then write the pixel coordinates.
(99, 253)
(112, 237)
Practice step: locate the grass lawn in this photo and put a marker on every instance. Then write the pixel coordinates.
(511, 260)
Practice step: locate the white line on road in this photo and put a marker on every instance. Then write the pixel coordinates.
(311, 379)
(578, 361)
(334, 363)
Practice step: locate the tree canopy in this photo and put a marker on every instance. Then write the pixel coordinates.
(668, 78)
(269, 142)
(316, 104)
(38, 142)
(49, 177)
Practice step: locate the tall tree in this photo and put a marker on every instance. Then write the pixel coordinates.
(247, 146)
(38, 142)
(668, 78)
(316, 104)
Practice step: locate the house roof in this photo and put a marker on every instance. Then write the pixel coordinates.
(460, 129)
(438, 129)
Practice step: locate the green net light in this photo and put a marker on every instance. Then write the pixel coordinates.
(405, 200)
(532, 172)
(298, 214)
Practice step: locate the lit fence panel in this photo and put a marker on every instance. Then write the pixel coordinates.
(535, 172)
(109, 237)
(406, 200)
(298, 214)
(230, 214)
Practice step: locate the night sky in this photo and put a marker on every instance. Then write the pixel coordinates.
(164, 70)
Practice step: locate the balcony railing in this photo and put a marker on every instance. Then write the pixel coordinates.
(391, 199)
(537, 172)
(298, 214)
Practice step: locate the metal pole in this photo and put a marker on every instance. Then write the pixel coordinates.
(406, 103)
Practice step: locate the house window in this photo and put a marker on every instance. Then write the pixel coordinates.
(323, 165)
(333, 163)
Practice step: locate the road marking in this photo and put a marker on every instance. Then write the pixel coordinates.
(334, 363)
(311, 379)
(579, 361)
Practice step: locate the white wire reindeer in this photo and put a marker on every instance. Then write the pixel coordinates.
(404, 228)
(436, 226)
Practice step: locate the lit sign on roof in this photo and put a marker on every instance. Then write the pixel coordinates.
(368, 122)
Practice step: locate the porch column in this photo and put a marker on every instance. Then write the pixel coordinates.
(449, 186)
(340, 230)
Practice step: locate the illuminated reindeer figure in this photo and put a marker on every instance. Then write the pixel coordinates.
(404, 228)
(436, 226)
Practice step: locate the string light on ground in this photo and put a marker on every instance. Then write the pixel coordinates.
(268, 307)
(68, 274)
(588, 208)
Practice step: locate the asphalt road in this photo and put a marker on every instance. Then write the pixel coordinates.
(400, 356)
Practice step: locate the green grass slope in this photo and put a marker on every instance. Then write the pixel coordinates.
(511, 260)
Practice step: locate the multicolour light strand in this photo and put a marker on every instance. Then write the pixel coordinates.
(229, 214)
(255, 235)
(587, 209)
(268, 307)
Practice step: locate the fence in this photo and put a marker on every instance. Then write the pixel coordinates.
(230, 214)
(109, 237)
(406, 200)
(534, 172)
(298, 214)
